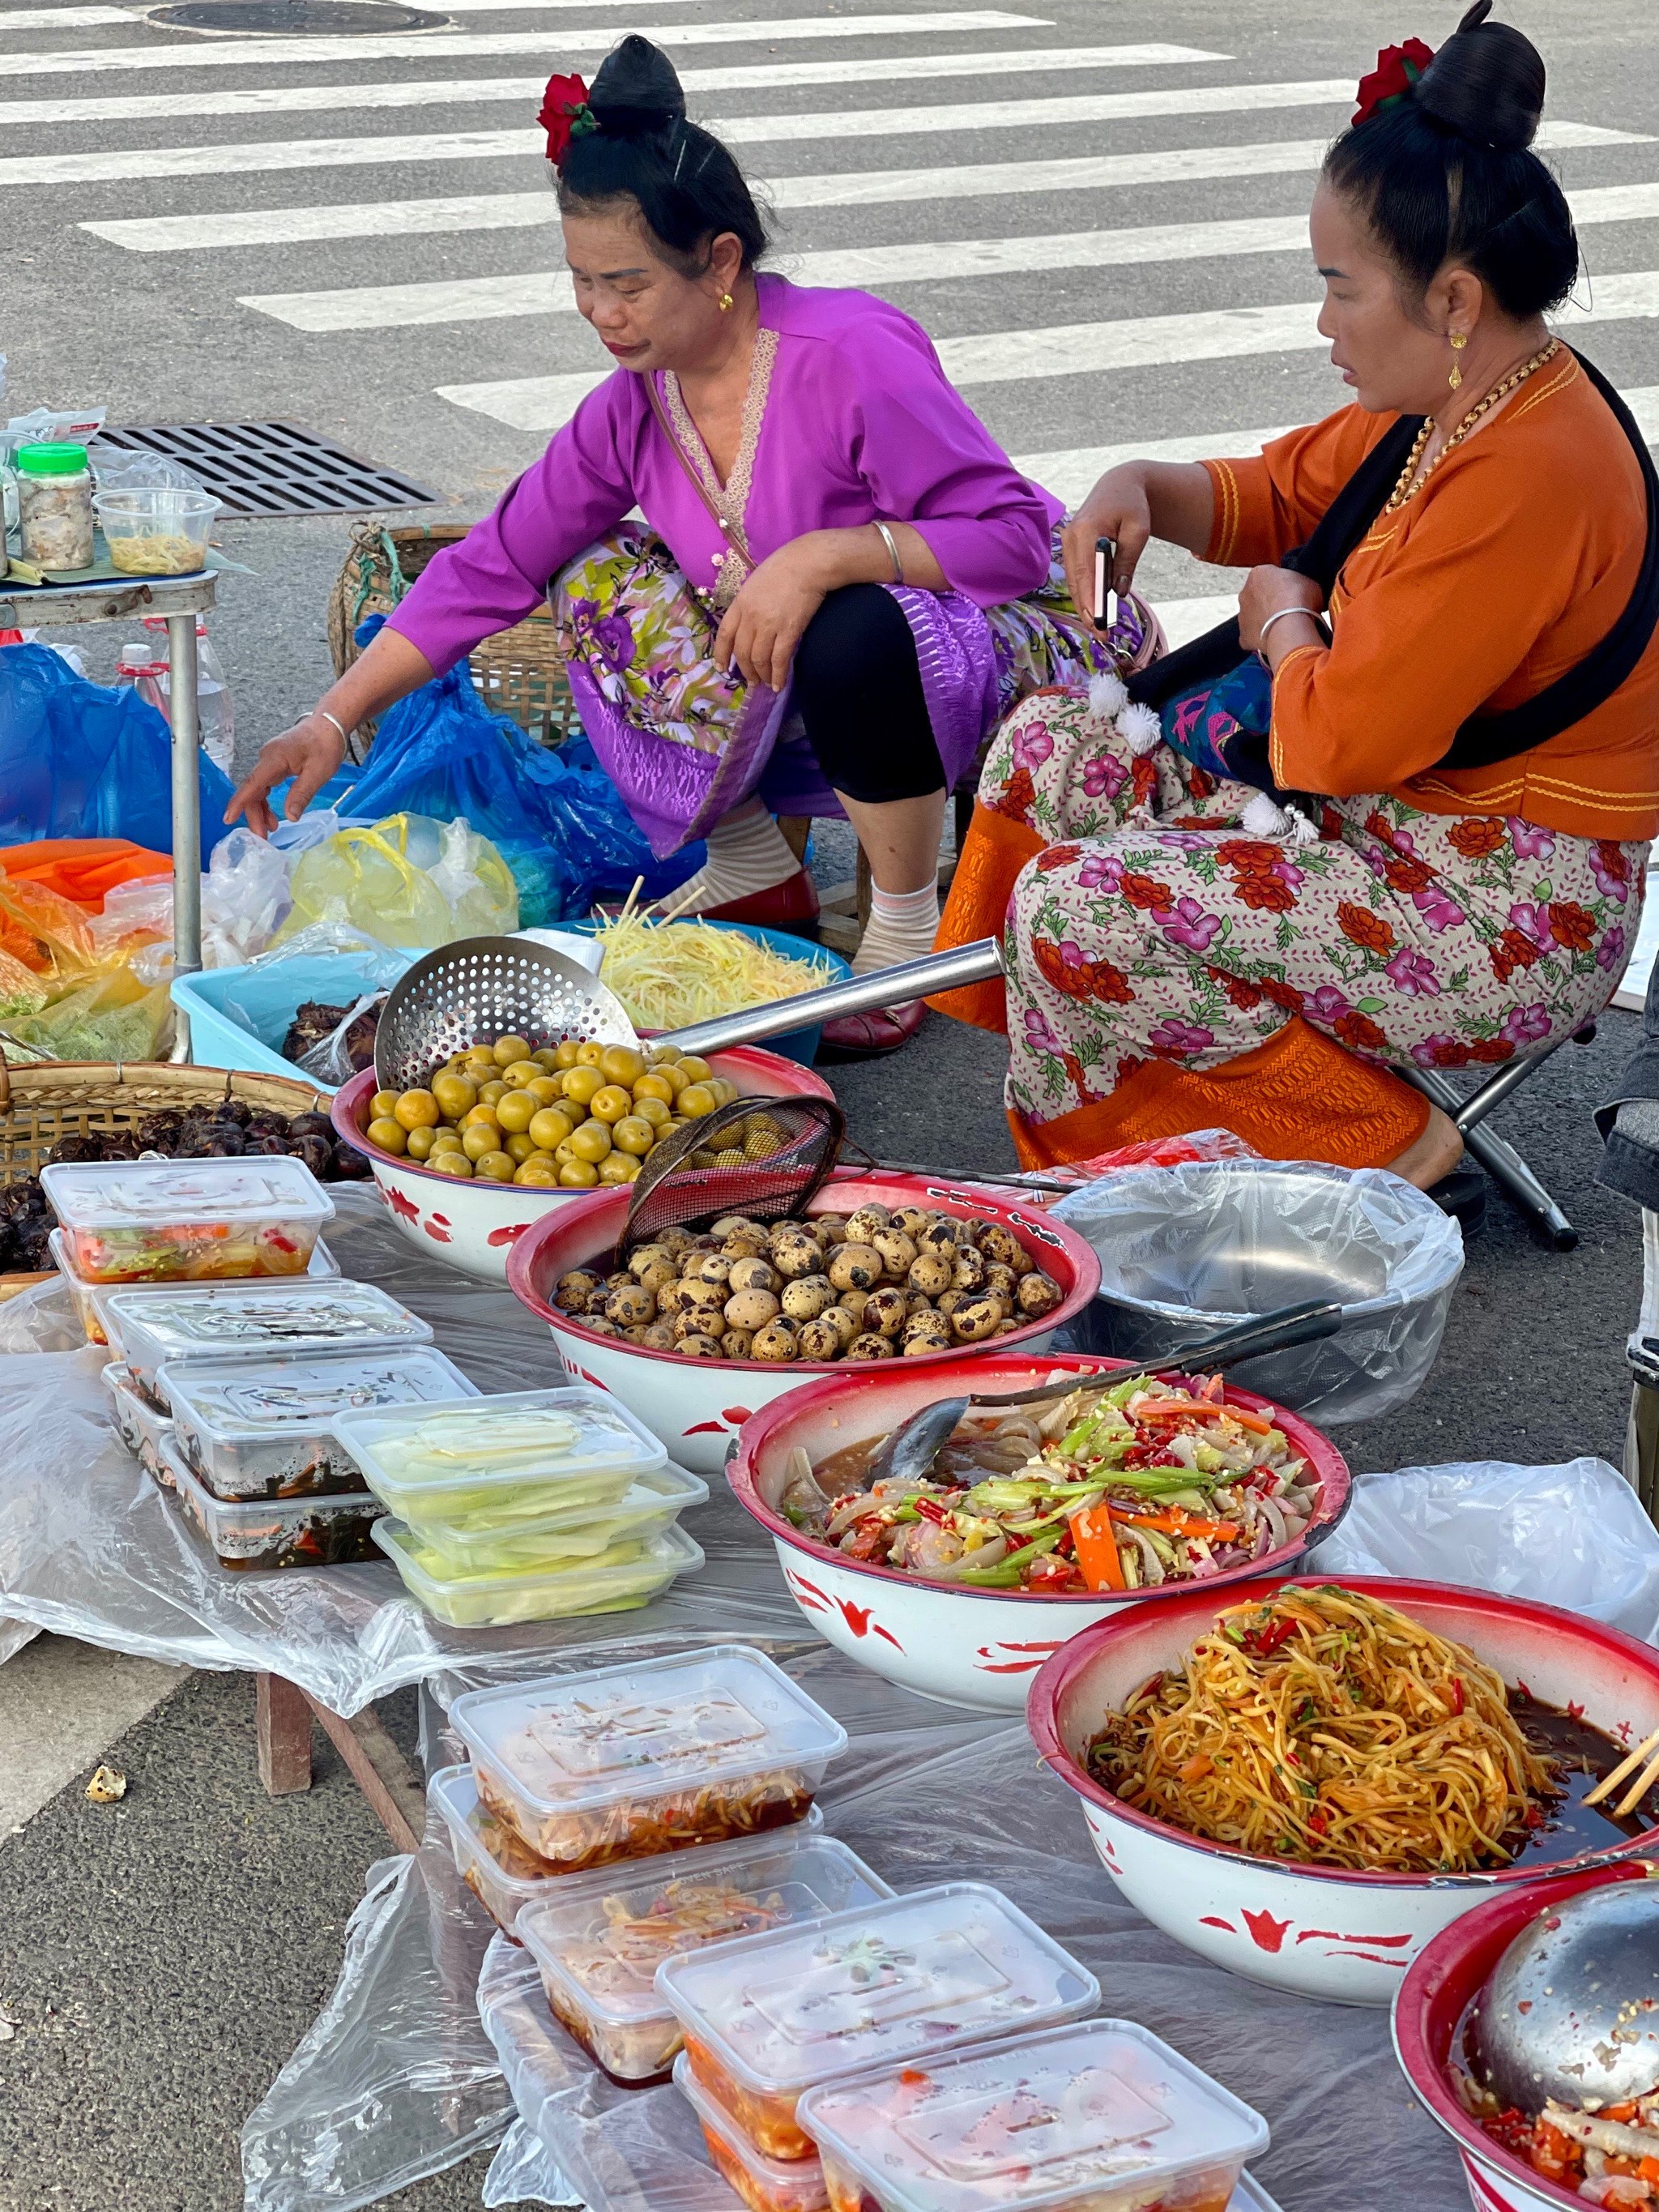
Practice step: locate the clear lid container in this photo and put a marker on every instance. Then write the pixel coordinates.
(782, 2011)
(630, 1575)
(500, 1461)
(236, 1402)
(1101, 2114)
(197, 1320)
(92, 1299)
(266, 1534)
(578, 1742)
(565, 1533)
(765, 2185)
(493, 1859)
(98, 1195)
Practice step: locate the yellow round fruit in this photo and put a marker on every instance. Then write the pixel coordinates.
(632, 1133)
(416, 1109)
(563, 1153)
(456, 1094)
(548, 1128)
(673, 1075)
(516, 1112)
(451, 1164)
(492, 1092)
(591, 1142)
(496, 1167)
(618, 1167)
(564, 1055)
(507, 1049)
(545, 1090)
(661, 1054)
(696, 1071)
(446, 1140)
(391, 1136)
(723, 1089)
(381, 1104)
(590, 1055)
(694, 1101)
(581, 1083)
(670, 1127)
(478, 1065)
(653, 1085)
(421, 1142)
(520, 1073)
(479, 1117)
(651, 1109)
(481, 1140)
(539, 1171)
(610, 1104)
(579, 1174)
(521, 1148)
(546, 1057)
(622, 1063)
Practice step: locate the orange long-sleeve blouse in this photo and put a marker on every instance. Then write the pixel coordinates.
(1515, 559)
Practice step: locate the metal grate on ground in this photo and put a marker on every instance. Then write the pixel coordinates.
(274, 468)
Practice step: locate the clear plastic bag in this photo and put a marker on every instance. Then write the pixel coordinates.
(331, 1063)
(1184, 1251)
(523, 2172)
(407, 880)
(1573, 1536)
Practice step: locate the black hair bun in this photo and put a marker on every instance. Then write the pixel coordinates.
(1486, 84)
(636, 90)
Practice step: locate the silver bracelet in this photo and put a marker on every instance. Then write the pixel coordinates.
(334, 721)
(892, 543)
(1279, 615)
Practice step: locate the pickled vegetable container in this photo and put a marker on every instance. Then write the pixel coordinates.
(765, 2185)
(137, 1423)
(242, 1321)
(92, 1300)
(183, 1220)
(54, 507)
(493, 1860)
(275, 1532)
(630, 1575)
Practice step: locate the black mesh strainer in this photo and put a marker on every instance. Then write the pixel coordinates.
(764, 1158)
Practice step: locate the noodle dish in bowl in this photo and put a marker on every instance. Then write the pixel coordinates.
(1305, 1781)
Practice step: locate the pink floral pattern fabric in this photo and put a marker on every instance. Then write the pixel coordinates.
(1153, 928)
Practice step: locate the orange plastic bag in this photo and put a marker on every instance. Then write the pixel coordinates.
(83, 869)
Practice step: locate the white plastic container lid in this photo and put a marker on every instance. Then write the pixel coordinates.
(243, 1400)
(513, 1437)
(579, 1741)
(603, 1935)
(863, 1988)
(1082, 2114)
(94, 1195)
(289, 1314)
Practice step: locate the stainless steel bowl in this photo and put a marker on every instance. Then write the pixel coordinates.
(1571, 2010)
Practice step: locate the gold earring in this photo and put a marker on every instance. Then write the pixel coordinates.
(726, 303)
(1459, 340)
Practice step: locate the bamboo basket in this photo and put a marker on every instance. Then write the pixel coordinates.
(518, 672)
(40, 1106)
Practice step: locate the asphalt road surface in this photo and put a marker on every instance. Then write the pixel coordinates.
(1096, 211)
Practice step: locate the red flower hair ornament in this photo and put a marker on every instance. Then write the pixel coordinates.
(1398, 69)
(565, 115)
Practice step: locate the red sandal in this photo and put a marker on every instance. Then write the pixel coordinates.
(870, 1036)
(791, 905)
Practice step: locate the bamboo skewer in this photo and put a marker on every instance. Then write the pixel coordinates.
(1638, 1789)
(1610, 1781)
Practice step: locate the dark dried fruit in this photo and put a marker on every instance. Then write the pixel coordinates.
(234, 1109)
(267, 1125)
(77, 1148)
(316, 1151)
(350, 1165)
(229, 1145)
(266, 1145)
(312, 1125)
(159, 1133)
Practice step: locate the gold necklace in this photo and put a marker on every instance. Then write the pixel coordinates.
(1410, 483)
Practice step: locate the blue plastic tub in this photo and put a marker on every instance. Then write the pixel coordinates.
(799, 1045)
(269, 997)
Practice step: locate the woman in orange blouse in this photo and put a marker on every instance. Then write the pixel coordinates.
(1184, 951)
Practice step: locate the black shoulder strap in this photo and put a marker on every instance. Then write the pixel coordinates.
(1485, 739)
(1340, 529)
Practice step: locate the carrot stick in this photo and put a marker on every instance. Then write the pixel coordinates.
(1097, 1557)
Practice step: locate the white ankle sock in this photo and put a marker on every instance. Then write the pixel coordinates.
(747, 853)
(903, 926)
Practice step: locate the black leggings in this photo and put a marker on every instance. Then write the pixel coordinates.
(858, 686)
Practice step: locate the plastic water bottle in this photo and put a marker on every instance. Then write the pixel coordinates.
(145, 666)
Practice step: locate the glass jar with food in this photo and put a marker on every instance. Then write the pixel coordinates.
(54, 507)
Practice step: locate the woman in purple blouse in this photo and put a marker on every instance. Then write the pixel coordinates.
(841, 582)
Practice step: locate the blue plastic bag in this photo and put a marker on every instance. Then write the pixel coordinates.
(554, 817)
(80, 760)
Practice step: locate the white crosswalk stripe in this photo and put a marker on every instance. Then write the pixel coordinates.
(547, 291)
(378, 45)
(64, 19)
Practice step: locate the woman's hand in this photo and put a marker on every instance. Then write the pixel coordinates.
(1266, 591)
(310, 752)
(1118, 507)
(763, 624)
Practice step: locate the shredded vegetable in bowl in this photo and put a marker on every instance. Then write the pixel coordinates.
(669, 974)
(1112, 1488)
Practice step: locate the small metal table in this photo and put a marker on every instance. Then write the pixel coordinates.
(180, 599)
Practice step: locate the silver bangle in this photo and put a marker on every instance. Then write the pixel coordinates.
(334, 721)
(892, 543)
(1279, 615)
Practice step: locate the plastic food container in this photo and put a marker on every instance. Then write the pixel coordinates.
(1099, 2118)
(156, 531)
(240, 1321)
(263, 1428)
(129, 1221)
(599, 1939)
(271, 1533)
(767, 2017)
(92, 1300)
(648, 1757)
(54, 507)
(140, 1427)
(494, 1860)
(504, 1463)
(562, 1537)
(765, 2185)
(630, 1575)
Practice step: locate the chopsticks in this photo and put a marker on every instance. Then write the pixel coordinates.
(1634, 1795)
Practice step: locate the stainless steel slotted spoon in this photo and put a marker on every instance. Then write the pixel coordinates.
(484, 988)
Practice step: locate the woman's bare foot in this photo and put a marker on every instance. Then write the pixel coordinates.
(1434, 1154)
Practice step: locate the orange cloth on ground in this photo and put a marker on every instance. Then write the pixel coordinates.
(1518, 557)
(83, 869)
(1298, 1096)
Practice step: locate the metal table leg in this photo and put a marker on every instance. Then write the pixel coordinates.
(186, 811)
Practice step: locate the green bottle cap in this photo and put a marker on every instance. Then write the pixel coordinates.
(52, 460)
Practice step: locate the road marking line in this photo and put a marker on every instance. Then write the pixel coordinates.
(547, 291)
(66, 19)
(427, 91)
(379, 46)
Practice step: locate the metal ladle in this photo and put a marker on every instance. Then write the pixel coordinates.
(1571, 2009)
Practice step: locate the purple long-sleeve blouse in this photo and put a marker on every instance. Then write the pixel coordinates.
(860, 424)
